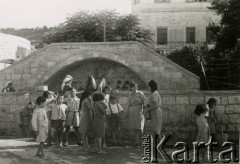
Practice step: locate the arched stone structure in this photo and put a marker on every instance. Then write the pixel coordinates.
(112, 71)
(39, 67)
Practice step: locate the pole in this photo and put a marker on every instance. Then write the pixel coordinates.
(204, 75)
(104, 32)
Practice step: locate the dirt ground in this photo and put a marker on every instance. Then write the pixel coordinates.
(22, 151)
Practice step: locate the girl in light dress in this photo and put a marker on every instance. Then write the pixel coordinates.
(40, 124)
(211, 116)
(50, 99)
(100, 110)
(203, 127)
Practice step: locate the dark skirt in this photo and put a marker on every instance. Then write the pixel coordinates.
(114, 121)
(98, 127)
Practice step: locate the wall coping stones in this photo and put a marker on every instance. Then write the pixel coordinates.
(129, 43)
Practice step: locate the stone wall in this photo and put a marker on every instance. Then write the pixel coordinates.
(38, 68)
(178, 111)
(177, 106)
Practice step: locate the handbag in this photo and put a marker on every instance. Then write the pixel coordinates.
(148, 115)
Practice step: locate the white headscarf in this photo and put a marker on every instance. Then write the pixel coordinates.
(65, 80)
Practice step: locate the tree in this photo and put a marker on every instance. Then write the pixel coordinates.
(224, 61)
(189, 57)
(88, 27)
(229, 10)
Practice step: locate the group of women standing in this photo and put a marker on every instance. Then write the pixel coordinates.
(138, 109)
(87, 115)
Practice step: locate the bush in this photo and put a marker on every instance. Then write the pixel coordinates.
(188, 57)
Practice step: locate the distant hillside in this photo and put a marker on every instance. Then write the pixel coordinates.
(35, 35)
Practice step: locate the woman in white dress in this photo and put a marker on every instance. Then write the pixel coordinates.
(136, 102)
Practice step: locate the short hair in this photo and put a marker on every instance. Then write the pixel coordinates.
(106, 88)
(200, 109)
(60, 95)
(153, 85)
(212, 101)
(98, 97)
(46, 94)
(40, 100)
(133, 84)
(84, 95)
(30, 103)
(111, 98)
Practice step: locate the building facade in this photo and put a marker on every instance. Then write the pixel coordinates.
(13, 47)
(176, 22)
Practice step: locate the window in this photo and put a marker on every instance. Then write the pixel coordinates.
(162, 1)
(136, 2)
(190, 1)
(162, 37)
(17, 56)
(190, 34)
(209, 35)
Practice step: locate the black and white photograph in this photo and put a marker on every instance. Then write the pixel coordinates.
(119, 81)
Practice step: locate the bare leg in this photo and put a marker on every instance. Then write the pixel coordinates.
(96, 144)
(140, 136)
(77, 134)
(41, 148)
(61, 133)
(119, 136)
(104, 145)
(87, 141)
(27, 131)
(21, 131)
(114, 137)
(55, 125)
(38, 151)
(67, 134)
(84, 141)
(99, 144)
(137, 137)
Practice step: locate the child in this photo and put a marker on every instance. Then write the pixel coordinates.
(40, 124)
(58, 119)
(25, 119)
(73, 115)
(114, 119)
(203, 127)
(211, 116)
(86, 117)
(106, 92)
(100, 111)
(50, 98)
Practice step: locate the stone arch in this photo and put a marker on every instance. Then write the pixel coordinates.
(39, 67)
(56, 75)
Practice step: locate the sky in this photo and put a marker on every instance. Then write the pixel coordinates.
(38, 13)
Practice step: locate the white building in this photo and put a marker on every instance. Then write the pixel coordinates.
(176, 22)
(13, 47)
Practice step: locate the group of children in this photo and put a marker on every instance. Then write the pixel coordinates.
(93, 114)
